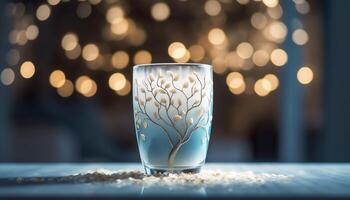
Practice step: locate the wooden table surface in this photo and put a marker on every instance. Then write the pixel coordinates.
(313, 181)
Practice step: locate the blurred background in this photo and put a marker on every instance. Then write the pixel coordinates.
(280, 76)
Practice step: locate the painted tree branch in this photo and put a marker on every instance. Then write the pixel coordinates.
(173, 111)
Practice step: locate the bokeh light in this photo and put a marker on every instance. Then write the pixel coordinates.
(120, 28)
(21, 38)
(274, 82)
(32, 32)
(233, 61)
(300, 37)
(305, 75)
(160, 11)
(90, 87)
(27, 69)
(69, 41)
(90, 52)
(115, 15)
(276, 31)
(142, 57)
(212, 7)
(239, 90)
(234, 80)
(74, 54)
(262, 87)
(177, 50)
(218, 64)
(260, 58)
(254, 42)
(279, 57)
(86, 86)
(53, 2)
(66, 90)
(271, 3)
(303, 7)
(84, 10)
(275, 12)
(243, 2)
(258, 20)
(197, 52)
(57, 78)
(216, 36)
(184, 58)
(7, 76)
(125, 90)
(245, 50)
(12, 57)
(117, 81)
(120, 59)
(43, 12)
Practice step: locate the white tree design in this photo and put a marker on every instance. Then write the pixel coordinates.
(167, 102)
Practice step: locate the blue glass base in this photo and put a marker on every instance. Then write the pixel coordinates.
(176, 170)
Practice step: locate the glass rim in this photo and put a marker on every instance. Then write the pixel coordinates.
(173, 64)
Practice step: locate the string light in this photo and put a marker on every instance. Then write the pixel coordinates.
(27, 69)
